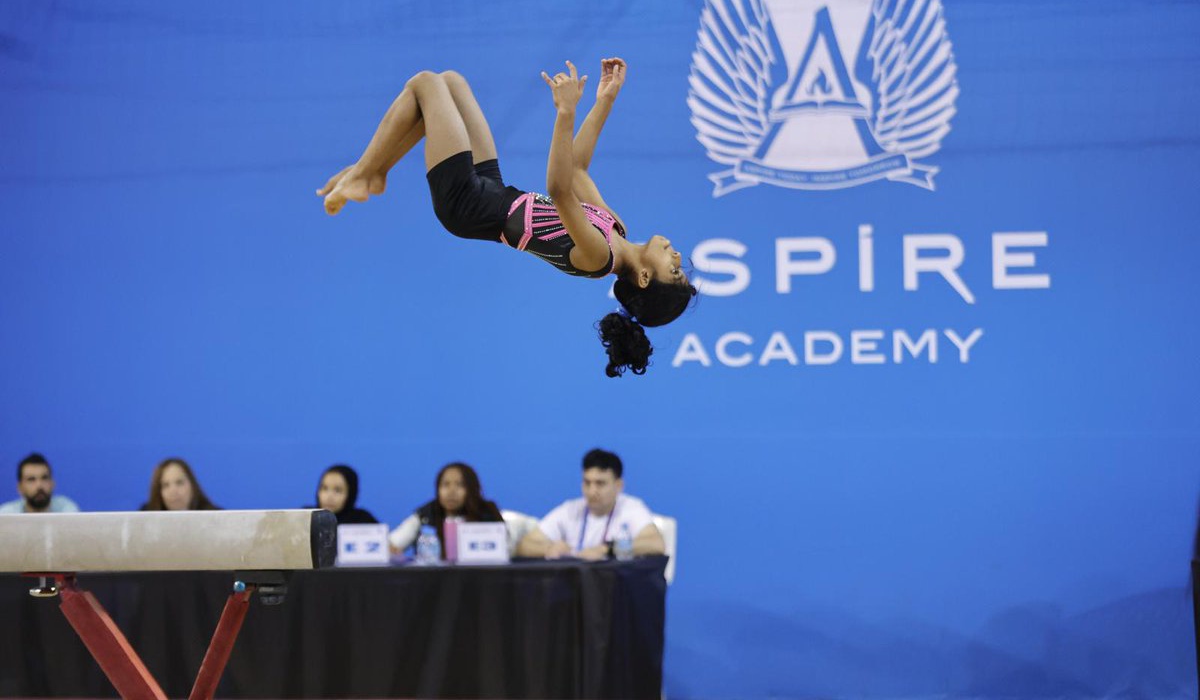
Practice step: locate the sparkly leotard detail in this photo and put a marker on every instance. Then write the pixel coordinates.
(535, 226)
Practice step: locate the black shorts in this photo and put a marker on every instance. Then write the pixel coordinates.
(471, 201)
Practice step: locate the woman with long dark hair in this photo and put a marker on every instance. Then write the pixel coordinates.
(573, 228)
(173, 486)
(458, 494)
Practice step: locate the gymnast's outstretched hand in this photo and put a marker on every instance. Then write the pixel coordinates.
(612, 77)
(567, 88)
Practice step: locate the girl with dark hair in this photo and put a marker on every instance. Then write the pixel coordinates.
(173, 486)
(337, 492)
(573, 228)
(458, 495)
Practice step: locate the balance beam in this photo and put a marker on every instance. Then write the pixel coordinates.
(184, 540)
(59, 545)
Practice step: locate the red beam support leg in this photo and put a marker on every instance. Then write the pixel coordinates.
(108, 646)
(221, 645)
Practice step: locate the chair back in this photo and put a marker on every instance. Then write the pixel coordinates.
(519, 524)
(668, 528)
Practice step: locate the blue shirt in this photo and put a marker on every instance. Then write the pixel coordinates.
(58, 504)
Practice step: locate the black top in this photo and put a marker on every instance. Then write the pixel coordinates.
(350, 514)
(1196, 545)
(355, 516)
(432, 513)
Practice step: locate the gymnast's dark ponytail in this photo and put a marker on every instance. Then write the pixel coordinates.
(623, 335)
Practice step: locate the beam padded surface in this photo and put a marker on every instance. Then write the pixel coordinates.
(166, 541)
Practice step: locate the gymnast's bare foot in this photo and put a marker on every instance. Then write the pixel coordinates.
(351, 184)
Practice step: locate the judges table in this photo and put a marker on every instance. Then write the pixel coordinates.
(538, 629)
(1196, 609)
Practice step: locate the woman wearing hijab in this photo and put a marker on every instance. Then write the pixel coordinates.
(337, 493)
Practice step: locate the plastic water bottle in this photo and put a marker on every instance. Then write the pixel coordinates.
(429, 552)
(623, 546)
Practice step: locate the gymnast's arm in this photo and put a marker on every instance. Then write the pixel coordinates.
(591, 251)
(584, 147)
(612, 77)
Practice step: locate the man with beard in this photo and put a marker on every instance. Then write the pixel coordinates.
(36, 486)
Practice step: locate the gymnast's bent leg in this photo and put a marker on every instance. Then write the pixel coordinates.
(424, 109)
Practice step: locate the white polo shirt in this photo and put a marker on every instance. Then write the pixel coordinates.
(574, 524)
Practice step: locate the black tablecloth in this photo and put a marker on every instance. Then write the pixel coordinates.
(530, 629)
(1196, 610)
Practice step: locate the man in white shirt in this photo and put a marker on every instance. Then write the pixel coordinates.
(36, 486)
(587, 527)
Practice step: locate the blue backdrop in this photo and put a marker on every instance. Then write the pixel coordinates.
(1003, 187)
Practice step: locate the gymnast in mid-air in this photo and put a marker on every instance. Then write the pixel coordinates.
(573, 228)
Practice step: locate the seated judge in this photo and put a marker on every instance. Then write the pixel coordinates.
(587, 527)
(458, 494)
(35, 485)
(173, 486)
(337, 492)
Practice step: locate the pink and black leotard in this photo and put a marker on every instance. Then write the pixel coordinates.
(534, 225)
(472, 201)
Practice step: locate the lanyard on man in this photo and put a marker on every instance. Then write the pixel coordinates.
(583, 527)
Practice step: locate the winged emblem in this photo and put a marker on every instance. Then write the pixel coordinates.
(912, 76)
(905, 63)
(736, 69)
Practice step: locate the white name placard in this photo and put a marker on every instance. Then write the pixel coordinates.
(482, 543)
(362, 545)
